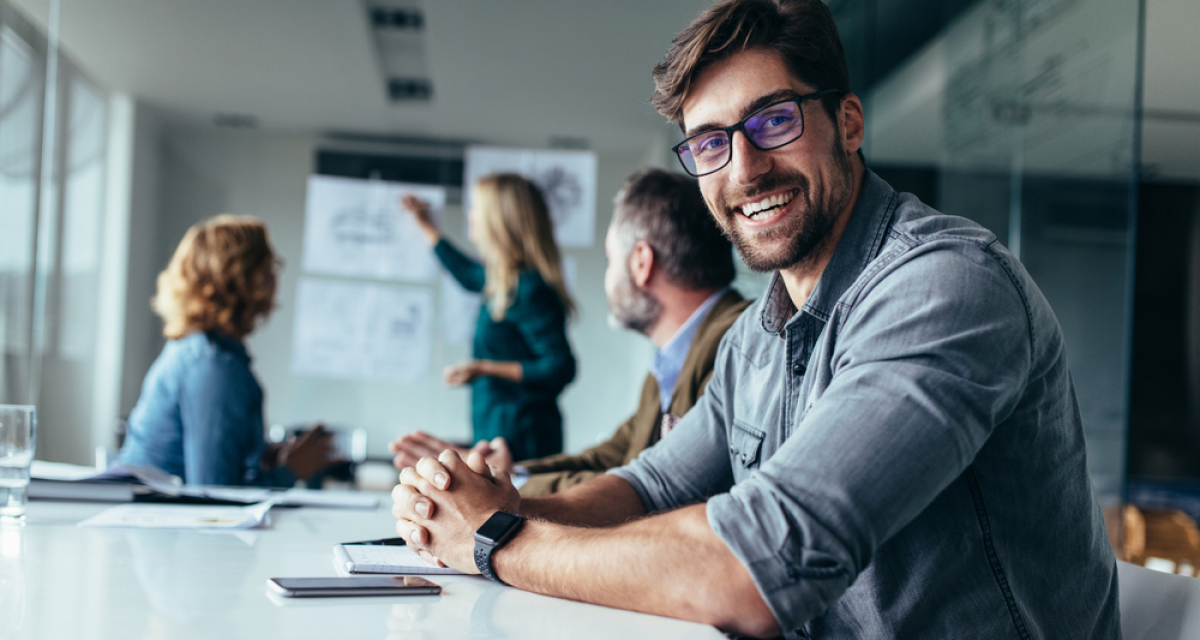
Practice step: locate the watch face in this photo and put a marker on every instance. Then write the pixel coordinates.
(496, 526)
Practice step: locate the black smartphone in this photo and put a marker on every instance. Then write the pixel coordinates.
(353, 586)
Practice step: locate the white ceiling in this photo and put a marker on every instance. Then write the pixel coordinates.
(514, 72)
(503, 72)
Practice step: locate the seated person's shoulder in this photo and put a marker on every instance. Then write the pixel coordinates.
(209, 357)
(921, 224)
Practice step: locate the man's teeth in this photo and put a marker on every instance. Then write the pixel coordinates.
(761, 209)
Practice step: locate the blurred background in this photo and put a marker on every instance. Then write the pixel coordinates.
(1070, 128)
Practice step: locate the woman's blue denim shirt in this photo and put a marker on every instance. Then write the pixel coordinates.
(200, 415)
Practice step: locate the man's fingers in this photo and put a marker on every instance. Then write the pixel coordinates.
(414, 534)
(410, 478)
(434, 471)
(430, 558)
(431, 442)
(502, 475)
(417, 444)
(477, 463)
(411, 503)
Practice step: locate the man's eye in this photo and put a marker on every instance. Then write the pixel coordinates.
(778, 120)
(709, 145)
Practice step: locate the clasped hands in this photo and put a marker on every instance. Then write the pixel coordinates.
(440, 503)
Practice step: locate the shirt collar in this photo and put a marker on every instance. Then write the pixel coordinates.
(229, 344)
(668, 360)
(860, 243)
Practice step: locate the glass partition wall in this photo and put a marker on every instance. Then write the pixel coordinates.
(1023, 116)
(52, 177)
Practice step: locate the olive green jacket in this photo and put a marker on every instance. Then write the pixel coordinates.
(642, 430)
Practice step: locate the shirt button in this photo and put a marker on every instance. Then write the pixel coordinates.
(743, 458)
(799, 369)
(732, 451)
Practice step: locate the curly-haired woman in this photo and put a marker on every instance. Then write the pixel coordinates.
(200, 412)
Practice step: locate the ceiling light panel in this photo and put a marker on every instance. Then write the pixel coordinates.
(398, 30)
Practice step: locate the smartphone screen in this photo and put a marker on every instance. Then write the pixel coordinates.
(354, 586)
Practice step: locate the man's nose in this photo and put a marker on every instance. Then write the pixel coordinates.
(748, 164)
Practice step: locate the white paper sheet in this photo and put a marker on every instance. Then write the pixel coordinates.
(567, 179)
(460, 312)
(357, 228)
(361, 331)
(161, 516)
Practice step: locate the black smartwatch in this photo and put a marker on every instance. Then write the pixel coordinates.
(495, 532)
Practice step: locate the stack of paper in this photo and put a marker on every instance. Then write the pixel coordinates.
(144, 516)
(128, 483)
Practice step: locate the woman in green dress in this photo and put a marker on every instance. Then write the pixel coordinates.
(521, 360)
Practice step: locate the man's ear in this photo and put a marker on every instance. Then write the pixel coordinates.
(641, 263)
(852, 123)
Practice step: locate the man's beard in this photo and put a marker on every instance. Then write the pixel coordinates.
(631, 308)
(806, 229)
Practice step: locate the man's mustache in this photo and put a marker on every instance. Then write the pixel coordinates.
(772, 182)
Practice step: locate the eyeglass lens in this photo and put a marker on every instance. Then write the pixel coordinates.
(773, 127)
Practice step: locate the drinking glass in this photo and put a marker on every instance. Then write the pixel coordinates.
(18, 433)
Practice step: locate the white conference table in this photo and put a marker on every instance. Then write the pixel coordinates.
(58, 580)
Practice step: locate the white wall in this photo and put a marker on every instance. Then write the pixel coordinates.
(200, 173)
(143, 331)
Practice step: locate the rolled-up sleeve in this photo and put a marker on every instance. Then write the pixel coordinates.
(923, 366)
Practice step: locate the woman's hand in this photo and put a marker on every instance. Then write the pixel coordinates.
(464, 373)
(420, 213)
(308, 453)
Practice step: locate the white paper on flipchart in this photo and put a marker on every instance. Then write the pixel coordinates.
(460, 312)
(357, 228)
(567, 179)
(361, 330)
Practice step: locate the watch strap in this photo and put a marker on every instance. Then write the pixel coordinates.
(484, 550)
(483, 561)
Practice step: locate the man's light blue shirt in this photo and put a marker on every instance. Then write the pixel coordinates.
(668, 361)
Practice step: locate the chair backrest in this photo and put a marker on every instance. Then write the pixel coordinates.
(1158, 606)
(1157, 533)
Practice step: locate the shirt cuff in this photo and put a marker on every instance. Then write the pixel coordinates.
(520, 476)
(628, 474)
(797, 581)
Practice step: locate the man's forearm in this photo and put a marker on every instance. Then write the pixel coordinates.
(671, 564)
(600, 502)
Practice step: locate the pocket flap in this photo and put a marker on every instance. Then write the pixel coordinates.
(744, 444)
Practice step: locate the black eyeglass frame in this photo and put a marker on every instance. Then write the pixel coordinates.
(741, 126)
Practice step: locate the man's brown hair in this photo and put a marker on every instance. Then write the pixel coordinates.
(801, 32)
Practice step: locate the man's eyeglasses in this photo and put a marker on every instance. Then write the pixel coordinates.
(768, 128)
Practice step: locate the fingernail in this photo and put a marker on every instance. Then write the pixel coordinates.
(422, 508)
(417, 537)
(440, 480)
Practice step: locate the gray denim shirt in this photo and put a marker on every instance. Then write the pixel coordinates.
(903, 457)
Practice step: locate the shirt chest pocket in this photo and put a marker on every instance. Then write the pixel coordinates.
(745, 448)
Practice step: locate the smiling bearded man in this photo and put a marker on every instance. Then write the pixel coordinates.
(889, 446)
